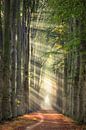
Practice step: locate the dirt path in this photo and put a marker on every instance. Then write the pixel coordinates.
(50, 120)
(44, 120)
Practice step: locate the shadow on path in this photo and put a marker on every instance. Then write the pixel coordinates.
(51, 120)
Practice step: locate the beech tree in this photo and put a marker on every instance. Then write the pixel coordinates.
(6, 99)
(72, 14)
(1, 61)
(13, 56)
(14, 35)
(25, 37)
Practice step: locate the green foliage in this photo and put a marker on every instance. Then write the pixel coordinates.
(74, 43)
(66, 9)
(64, 14)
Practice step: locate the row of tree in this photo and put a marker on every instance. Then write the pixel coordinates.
(14, 57)
(69, 16)
(16, 53)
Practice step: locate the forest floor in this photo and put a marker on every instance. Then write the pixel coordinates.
(21, 122)
(44, 120)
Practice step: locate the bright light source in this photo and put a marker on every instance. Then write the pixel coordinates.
(47, 100)
(16, 38)
(47, 88)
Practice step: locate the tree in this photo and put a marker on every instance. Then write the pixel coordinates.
(1, 56)
(19, 89)
(72, 14)
(26, 31)
(13, 56)
(6, 101)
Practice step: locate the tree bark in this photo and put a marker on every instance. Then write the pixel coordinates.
(13, 57)
(26, 7)
(1, 67)
(6, 101)
(19, 91)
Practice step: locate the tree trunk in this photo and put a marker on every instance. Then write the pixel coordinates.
(13, 57)
(1, 72)
(19, 86)
(82, 80)
(6, 101)
(26, 5)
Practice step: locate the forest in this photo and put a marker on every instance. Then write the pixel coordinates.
(43, 58)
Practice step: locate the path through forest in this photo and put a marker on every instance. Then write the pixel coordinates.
(51, 120)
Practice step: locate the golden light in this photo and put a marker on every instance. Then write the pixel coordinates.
(47, 90)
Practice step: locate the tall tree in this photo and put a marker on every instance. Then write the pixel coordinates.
(19, 90)
(82, 76)
(13, 56)
(72, 13)
(1, 52)
(26, 15)
(6, 102)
